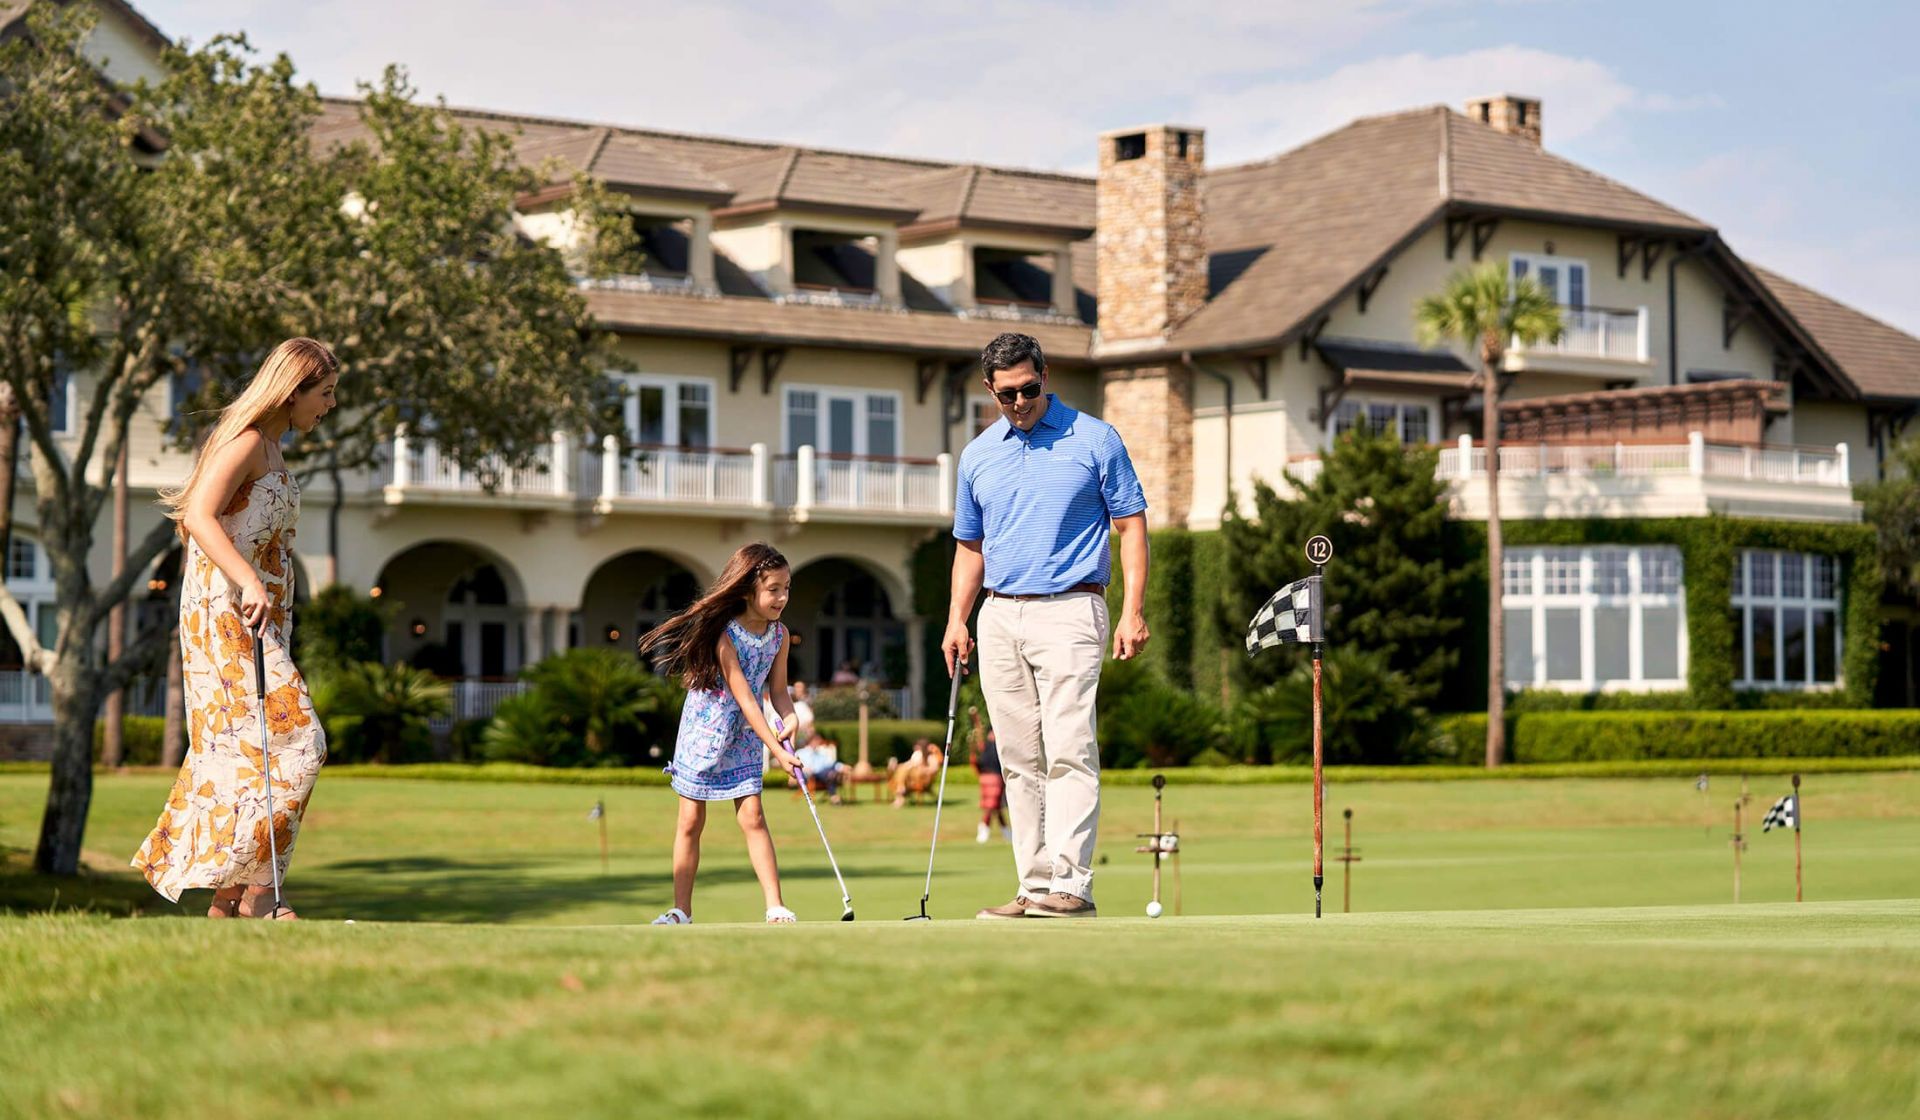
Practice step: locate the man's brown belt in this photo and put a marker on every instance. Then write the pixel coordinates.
(1096, 588)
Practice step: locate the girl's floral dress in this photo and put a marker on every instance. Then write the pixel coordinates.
(717, 756)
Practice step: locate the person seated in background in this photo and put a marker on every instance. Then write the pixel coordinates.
(820, 759)
(916, 774)
(847, 673)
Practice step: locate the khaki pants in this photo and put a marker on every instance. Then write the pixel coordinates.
(1040, 668)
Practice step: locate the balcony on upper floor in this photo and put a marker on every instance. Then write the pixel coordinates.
(683, 481)
(1601, 341)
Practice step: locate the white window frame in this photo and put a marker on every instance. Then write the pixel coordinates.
(1746, 602)
(1402, 404)
(1562, 294)
(36, 594)
(670, 384)
(860, 398)
(975, 403)
(1587, 599)
(61, 422)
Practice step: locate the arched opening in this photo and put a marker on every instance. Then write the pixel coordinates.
(844, 621)
(458, 611)
(629, 595)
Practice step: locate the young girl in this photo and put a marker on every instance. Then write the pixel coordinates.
(237, 511)
(731, 651)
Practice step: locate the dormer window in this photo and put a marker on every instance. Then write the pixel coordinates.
(665, 245)
(1010, 278)
(825, 261)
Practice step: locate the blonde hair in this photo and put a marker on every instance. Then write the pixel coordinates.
(294, 366)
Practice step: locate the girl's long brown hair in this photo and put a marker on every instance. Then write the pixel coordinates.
(688, 643)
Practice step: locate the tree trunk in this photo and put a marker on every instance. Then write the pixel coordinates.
(112, 735)
(70, 793)
(173, 732)
(9, 459)
(1496, 614)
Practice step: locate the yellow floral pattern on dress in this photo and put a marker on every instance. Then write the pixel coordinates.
(213, 830)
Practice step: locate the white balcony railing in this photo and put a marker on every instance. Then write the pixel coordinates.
(25, 697)
(417, 464)
(805, 483)
(1597, 332)
(476, 699)
(702, 476)
(1796, 465)
(808, 481)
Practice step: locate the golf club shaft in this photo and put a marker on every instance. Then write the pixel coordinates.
(940, 799)
(266, 760)
(845, 898)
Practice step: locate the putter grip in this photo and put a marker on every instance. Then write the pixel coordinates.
(260, 663)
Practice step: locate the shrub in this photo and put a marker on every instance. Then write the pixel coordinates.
(380, 713)
(337, 628)
(1369, 714)
(842, 702)
(1157, 725)
(139, 739)
(1813, 733)
(585, 707)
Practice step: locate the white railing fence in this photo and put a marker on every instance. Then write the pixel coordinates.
(1808, 465)
(1598, 332)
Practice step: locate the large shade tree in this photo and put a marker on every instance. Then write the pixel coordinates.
(1486, 310)
(179, 229)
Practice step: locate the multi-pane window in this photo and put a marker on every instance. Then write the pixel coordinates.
(1591, 618)
(985, 412)
(669, 411)
(842, 421)
(60, 402)
(1786, 619)
(1565, 280)
(30, 581)
(23, 556)
(1407, 421)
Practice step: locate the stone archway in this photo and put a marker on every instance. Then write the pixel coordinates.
(842, 612)
(629, 594)
(459, 610)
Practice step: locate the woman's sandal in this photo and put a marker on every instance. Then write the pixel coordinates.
(224, 908)
(673, 917)
(780, 916)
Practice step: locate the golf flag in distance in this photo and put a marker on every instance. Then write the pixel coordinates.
(1292, 615)
(1784, 814)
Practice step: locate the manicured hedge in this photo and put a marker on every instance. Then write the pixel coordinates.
(1596, 736)
(139, 739)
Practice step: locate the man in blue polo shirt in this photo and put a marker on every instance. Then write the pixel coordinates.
(1037, 492)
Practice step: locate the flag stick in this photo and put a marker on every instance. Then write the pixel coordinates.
(1319, 784)
(1737, 844)
(605, 868)
(1797, 895)
(1346, 874)
(1176, 873)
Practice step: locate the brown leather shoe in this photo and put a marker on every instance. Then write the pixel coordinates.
(1059, 904)
(1015, 909)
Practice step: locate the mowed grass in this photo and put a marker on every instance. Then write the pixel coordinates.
(1559, 948)
(1718, 1011)
(468, 852)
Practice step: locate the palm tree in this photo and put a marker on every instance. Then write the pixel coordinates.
(1484, 310)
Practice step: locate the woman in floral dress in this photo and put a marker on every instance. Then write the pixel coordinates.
(237, 511)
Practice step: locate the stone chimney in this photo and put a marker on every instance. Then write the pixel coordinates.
(1152, 252)
(1151, 240)
(1510, 113)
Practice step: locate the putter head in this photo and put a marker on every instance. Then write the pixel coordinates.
(848, 915)
(916, 918)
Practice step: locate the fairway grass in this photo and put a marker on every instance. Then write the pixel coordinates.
(1715, 1011)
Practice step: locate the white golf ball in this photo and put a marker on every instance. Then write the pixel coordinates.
(349, 921)
(1153, 909)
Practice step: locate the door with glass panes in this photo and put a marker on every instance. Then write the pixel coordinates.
(670, 422)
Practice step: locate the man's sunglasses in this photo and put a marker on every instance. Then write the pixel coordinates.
(1028, 391)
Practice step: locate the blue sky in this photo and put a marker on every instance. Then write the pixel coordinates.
(1792, 127)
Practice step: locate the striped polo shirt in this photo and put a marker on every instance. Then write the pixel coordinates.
(1042, 501)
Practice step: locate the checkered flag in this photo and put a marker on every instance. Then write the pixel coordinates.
(1292, 615)
(1784, 814)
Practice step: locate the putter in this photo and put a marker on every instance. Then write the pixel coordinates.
(266, 760)
(939, 802)
(846, 901)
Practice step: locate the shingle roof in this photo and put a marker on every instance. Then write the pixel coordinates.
(1883, 361)
(733, 317)
(1316, 219)
(805, 178)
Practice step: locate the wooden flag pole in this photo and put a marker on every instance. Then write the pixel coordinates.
(1347, 857)
(605, 865)
(1798, 896)
(1176, 873)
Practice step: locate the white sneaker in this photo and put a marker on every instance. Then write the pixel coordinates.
(983, 835)
(780, 916)
(673, 917)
